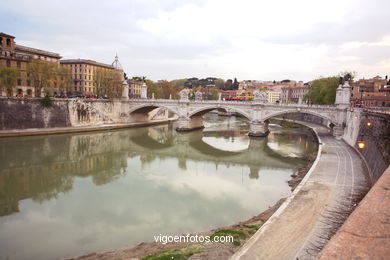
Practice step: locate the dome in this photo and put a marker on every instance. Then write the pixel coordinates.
(116, 64)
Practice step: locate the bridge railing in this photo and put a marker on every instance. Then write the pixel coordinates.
(382, 110)
(234, 102)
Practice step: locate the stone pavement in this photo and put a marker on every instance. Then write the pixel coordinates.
(296, 228)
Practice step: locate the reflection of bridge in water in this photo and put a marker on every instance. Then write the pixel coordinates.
(192, 147)
(47, 166)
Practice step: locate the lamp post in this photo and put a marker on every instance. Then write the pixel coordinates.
(361, 144)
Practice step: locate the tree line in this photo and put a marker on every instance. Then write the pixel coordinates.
(210, 87)
(322, 91)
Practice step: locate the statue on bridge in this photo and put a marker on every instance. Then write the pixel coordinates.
(341, 79)
(198, 96)
(260, 96)
(183, 94)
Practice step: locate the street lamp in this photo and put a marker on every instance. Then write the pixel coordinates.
(369, 124)
(361, 144)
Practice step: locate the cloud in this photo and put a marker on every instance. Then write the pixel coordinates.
(247, 39)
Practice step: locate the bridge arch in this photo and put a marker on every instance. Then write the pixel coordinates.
(146, 108)
(300, 112)
(204, 110)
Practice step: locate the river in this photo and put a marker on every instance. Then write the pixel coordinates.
(72, 194)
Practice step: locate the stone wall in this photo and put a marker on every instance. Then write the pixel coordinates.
(305, 117)
(376, 137)
(29, 113)
(351, 132)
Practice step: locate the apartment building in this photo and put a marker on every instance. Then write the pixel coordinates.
(17, 56)
(82, 74)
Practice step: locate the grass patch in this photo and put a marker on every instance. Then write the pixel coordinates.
(252, 228)
(255, 227)
(176, 254)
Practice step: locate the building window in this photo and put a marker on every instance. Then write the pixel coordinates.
(19, 82)
(8, 42)
(8, 63)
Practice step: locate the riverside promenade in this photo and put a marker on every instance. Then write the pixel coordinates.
(299, 226)
(77, 129)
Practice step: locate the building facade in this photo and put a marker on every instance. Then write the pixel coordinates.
(362, 86)
(376, 99)
(135, 88)
(17, 56)
(293, 94)
(228, 94)
(83, 74)
(273, 96)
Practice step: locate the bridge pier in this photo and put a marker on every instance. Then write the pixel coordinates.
(186, 124)
(258, 128)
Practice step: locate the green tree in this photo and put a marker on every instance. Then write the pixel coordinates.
(322, 91)
(8, 79)
(235, 84)
(219, 83)
(107, 83)
(228, 84)
(153, 88)
(213, 94)
(139, 78)
(169, 88)
(42, 75)
(179, 82)
(63, 78)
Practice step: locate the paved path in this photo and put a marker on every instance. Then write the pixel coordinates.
(76, 129)
(294, 230)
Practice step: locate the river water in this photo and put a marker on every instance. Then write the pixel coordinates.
(66, 195)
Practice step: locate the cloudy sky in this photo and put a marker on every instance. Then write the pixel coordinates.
(247, 39)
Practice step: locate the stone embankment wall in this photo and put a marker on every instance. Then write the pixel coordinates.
(374, 130)
(305, 117)
(29, 113)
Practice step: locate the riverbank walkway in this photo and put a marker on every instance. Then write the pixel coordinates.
(77, 129)
(299, 226)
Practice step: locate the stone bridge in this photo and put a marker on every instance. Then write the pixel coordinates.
(190, 112)
(257, 112)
